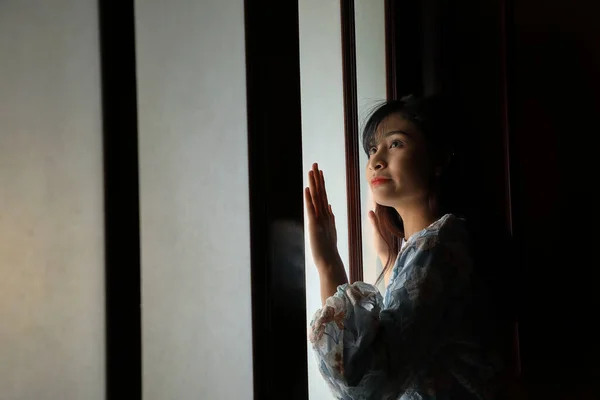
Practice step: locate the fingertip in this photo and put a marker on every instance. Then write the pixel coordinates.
(372, 216)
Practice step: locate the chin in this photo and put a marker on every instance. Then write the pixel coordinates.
(382, 201)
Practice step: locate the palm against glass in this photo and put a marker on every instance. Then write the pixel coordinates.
(321, 220)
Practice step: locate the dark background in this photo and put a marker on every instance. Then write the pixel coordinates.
(552, 64)
(525, 74)
(555, 103)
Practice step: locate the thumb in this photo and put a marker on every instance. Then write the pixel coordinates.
(373, 219)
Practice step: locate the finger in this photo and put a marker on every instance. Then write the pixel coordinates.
(373, 219)
(312, 189)
(317, 178)
(312, 192)
(324, 190)
(370, 215)
(372, 204)
(310, 209)
(320, 202)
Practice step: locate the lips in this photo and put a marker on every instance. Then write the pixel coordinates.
(379, 180)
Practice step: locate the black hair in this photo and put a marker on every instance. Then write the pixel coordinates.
(434, 117)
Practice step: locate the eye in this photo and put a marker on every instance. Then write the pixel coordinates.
(396, 143)
(372, 150)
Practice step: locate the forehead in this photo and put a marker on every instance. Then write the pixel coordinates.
(396, 122)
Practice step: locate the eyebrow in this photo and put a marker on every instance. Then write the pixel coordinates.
(390, 133)
(387, 134)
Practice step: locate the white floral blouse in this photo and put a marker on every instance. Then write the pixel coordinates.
(412, 343)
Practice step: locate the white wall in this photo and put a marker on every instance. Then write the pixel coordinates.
(194, 200)
(322, 138)
(371, 91)
(51, 208)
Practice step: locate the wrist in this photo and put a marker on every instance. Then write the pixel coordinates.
(331, 276)
(332, 272)
(330, 264)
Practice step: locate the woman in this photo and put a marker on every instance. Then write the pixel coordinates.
(420, 339)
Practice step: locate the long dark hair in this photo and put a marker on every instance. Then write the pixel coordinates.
(438, 121)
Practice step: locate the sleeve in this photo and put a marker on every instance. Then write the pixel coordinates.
(365, 351)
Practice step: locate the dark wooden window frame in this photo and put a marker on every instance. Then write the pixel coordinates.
(121, 201)
(276, 183)
(390, 55)
(352, 145)
(351, 139)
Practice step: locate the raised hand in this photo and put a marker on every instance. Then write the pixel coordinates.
(321, 221)
(380, 247)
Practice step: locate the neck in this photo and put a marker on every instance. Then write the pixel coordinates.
(415, 217)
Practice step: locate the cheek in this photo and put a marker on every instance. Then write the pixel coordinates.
(413, 168)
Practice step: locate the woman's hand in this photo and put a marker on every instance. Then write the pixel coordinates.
(379, 245)
(323, 235)
(321, 221)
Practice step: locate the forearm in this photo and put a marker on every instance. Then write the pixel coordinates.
(331, 276)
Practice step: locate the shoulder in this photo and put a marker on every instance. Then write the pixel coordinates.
(446, 244)
(449, 225)
(449, 231)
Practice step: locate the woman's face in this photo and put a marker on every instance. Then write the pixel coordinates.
(399, 168)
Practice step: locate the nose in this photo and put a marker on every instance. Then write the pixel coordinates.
(377, 162)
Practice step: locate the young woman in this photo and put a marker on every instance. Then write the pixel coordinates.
(420, 339)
